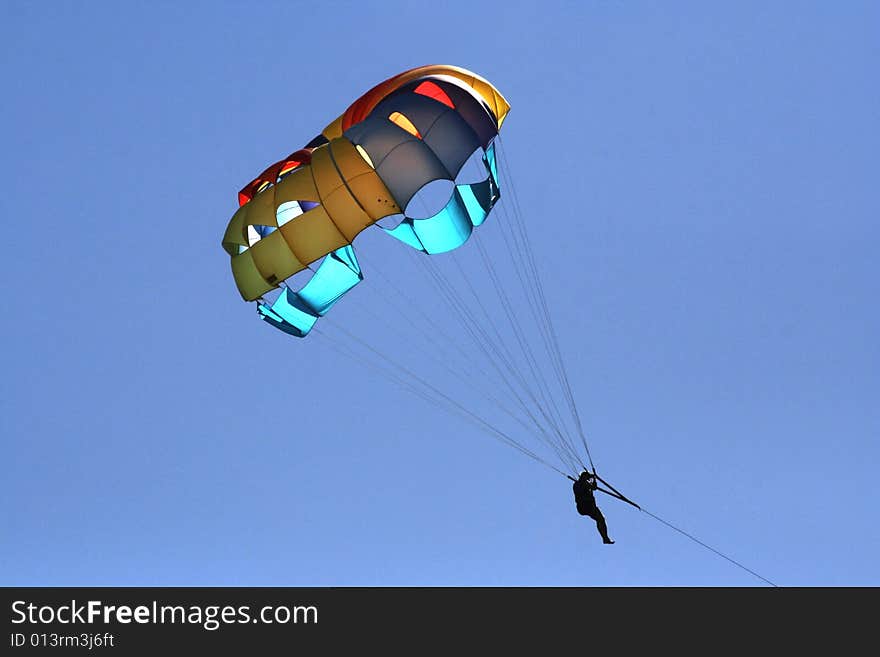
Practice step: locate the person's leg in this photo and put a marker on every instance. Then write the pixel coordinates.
(602, 527)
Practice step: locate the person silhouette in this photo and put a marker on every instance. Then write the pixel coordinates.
(586, 502)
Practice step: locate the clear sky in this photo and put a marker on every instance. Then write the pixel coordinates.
(700, 183)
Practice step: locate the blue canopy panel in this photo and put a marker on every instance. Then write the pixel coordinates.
(295, 313)
(453, 225)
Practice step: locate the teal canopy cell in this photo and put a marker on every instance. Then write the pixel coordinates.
(295, 313)
(452, 226)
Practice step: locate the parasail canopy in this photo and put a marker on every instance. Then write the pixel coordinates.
(368, 164)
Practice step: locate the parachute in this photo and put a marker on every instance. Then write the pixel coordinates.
(415, 128)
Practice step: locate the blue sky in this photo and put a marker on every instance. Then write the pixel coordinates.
(700, 183)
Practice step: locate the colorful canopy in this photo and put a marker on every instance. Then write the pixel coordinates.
(406, 132)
